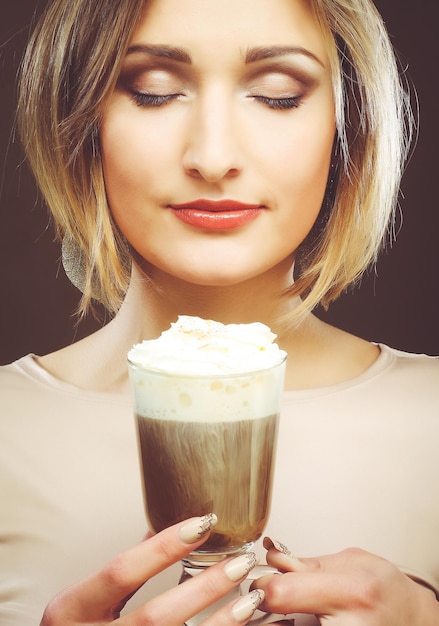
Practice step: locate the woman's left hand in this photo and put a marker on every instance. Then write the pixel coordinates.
(350, 588)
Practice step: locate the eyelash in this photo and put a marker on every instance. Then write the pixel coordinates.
(150, 100)
(282, 104)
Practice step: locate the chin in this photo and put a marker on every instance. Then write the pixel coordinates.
(217, 280)
(208, 274)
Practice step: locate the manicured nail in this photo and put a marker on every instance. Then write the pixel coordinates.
(240, 566)
(282, 548)
(277, 545)
(198, 527)
(244, 608)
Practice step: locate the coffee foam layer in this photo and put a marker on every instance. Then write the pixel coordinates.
(201, 370)
(216, 399)
(194, 346)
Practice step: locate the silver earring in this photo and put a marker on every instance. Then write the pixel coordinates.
(73, 262)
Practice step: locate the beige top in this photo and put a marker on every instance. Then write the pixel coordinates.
(358, 465)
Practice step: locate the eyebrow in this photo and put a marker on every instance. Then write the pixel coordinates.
(252, 55)
(168, 52)
(260, 53)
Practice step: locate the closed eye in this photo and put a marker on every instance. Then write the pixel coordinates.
(144, 99)
(283, 103)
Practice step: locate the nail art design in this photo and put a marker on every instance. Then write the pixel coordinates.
(244, 608)
(196, 529)
(257, 597)
(277, 545)
(240, 566)
(207, 522)
(295, 563)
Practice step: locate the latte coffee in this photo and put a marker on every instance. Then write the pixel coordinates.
(207, 400)
(194, 468)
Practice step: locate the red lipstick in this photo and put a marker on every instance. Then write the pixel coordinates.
(216, 214)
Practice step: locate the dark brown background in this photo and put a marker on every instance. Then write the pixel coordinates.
(397, 304)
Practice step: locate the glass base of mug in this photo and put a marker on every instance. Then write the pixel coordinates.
(199, 560)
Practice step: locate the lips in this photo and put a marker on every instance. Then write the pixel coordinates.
(216, 214)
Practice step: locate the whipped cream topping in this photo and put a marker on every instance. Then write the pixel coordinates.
(194, 346)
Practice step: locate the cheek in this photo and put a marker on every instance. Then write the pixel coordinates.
(303, 161)
(302, 173)
(298, 153)
(133, 156)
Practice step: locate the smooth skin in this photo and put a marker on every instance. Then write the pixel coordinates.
(219, 134)
(350, 588)
(100, 598)
(224, 99)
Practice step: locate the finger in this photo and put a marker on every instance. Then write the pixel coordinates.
(293, 593)
(179, 604)
(351, 579)
(103, 594)
(238, 612)
(281, 557)
(296, 589)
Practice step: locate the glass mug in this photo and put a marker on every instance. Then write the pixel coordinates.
(207, 444)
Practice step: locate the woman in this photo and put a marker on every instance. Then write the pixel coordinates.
(238, 161)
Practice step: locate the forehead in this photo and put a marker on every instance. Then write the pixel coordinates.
(230, 25)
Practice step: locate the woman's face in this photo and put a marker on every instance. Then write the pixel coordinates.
(217, 140)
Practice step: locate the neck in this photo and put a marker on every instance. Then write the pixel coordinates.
(153, 303)
(318, 355)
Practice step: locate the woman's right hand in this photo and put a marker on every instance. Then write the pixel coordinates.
(100, 598)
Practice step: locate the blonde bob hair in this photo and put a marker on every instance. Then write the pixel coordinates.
(70, 69)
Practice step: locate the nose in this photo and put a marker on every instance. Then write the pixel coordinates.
(212, 149)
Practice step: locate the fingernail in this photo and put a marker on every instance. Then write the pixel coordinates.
(282, 548)
(244, 608)
(198, 527)
(277, 545)
(240, 566)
